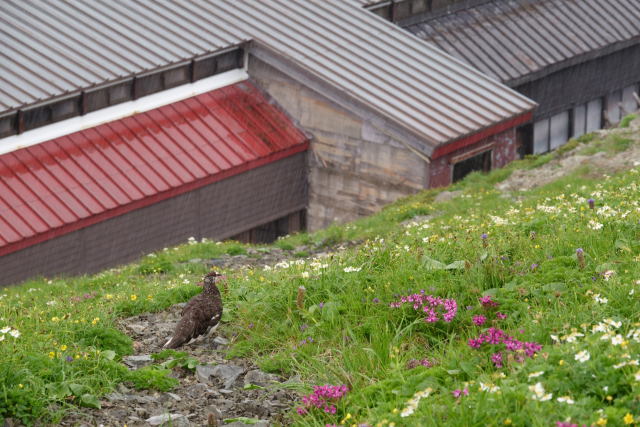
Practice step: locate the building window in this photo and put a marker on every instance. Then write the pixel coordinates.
(148, 84)
(629, 101)
(541, 136)
(176, 76)
(579, 120)
(121, 92)
(36, 117)
(9, 124)
(65, 109)
(479, 162)
(558, 130)
(594, 115)
(229, 61)
(614, 100)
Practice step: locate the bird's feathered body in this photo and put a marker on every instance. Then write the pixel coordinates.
(200, 314)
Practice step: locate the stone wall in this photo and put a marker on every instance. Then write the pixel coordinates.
(503, 151)
(355, 169)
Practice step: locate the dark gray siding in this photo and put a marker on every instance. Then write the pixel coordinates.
(580, 83)
(216, 211)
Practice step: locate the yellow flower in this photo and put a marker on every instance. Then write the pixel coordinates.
(561, 362)
(77, 356)
(20, 386)
(55, 319)
(52, 355)
(609, 398)
(134, 297)
(149, 297)
(395, 410)
(628, 419)
(601, 421)
(108, 296)
(63, 347)
(507, 422)
(95, 320)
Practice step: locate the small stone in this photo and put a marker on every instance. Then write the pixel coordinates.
(260, 378)
(227, 374)
(175, 420)
(174, 397)
(139, 328)
(204, 372)
(221, 341)
(137, 362)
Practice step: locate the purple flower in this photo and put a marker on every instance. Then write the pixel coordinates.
(496, 358)
(376, 300)
(534, 266)
(69, 359)
(303, 326)
(458, 393)
(579, 251)
(484, 236)
(479, 320)
(250, 325)
(320, 304)
(592, 203)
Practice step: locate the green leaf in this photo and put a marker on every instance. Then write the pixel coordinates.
(622, 245)
(109, 354)
(89, 401)
(76, 389)
(432, 264)
(456, 265)
(252, 387)
(241, 420)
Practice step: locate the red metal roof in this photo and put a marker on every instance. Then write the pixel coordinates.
(80, 179)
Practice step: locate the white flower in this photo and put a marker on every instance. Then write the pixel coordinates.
(539, 393)
(352, 269)
(600, 327)
(554, 338)
(412, 404)
(15, 333)
(637, 376)
(5, 329)
(617, 340)
(607, 274)
(582, 356)
(51, 303)
(489, 387)
(594, 225)
(632, 291)
(612, 323)
(620, 365)
(535, 374)
(305, 274)
(601, 300)
(566, 399)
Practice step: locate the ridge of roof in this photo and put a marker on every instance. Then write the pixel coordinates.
(416, 85)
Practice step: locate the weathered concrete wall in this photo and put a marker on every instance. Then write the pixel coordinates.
(354, 168)
(503, 151)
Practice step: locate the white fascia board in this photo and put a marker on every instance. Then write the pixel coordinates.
(129, 108)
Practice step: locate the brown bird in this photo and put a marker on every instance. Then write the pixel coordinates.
(200, 314)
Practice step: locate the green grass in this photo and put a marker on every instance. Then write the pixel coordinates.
(69, 350)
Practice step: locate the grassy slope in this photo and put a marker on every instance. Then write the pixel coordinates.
(68, 349)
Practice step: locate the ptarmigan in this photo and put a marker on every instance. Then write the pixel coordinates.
(200, 314)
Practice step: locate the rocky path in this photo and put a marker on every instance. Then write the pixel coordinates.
(217, 390)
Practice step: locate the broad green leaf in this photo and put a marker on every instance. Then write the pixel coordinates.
(109, 354)
(89, 401)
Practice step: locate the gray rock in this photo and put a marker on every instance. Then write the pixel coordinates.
(174, 397)
(445, 196)
(221, 341)
(139, 328)
(204, 372)
(174, 420)
(195, 261)
(260, 378)
(197, 390)
(137, 362)
(227, 374)
(215, 262)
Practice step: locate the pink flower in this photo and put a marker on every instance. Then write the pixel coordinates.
(496, 358)
(501, 316)
(487, 301)
(479, 320)
(458, 393)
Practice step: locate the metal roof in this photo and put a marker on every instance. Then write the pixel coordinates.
(521, 40)
(59, 47)
(79, 179)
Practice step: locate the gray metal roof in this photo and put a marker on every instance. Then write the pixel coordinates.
(520, 40)
(53, 48)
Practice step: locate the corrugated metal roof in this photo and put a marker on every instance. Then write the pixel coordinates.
(519, 40)
(409, 82)
(73, 181)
